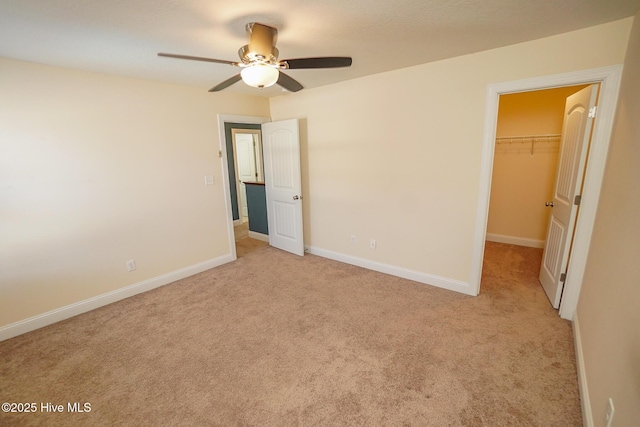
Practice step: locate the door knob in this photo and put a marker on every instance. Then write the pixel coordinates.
(296, 197)
(549, 204)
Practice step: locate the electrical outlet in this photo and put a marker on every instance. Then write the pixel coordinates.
(353, 240)
(131, 265)
(208, 180)
(610, 411)
(372, 243)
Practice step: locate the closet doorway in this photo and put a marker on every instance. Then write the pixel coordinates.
(540, 136)
(608, 79)
(528, 133)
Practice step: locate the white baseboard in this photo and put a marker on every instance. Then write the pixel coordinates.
(512, 240)
(417, 276)
(62, 313)
(259, 236)
(587, 415)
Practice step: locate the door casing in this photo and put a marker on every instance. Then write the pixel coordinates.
(609, 79)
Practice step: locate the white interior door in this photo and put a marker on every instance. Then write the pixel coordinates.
(244, 147)
(283, 185)
(576, 134)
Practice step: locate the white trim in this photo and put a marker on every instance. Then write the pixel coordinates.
(609, 78)
(259, 236)
(416, 276)
(587, 415)
(222, 119)
(62, 313)
(513, 240)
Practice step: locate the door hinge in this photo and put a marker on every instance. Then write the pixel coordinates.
(563, 277)
(220, 153)
(577, 200)
(592, 111)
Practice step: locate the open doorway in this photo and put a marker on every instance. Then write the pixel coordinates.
(528, 134)
(250, 227)
(528, 169)
(246, 186)
(609, 80)
(247, 154)
(282, 181)
(234, 180)
(236, 161)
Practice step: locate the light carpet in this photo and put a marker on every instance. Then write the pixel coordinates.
(273, 339)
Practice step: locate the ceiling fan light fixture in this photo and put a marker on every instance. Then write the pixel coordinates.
(259, 62)
(260, 75)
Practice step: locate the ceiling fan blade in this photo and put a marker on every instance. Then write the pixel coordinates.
(196, 58)
(323, 62)
(225, 84)
(288, 83)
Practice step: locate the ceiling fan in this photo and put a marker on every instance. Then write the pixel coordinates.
(259, 61)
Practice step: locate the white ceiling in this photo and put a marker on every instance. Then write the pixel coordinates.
(123, 36)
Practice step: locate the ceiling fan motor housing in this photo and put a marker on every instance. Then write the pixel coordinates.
(262, 44)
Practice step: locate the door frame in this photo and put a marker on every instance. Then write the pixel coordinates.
(222, 119)
(609, 79)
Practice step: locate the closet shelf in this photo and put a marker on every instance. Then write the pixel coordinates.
(529, 139)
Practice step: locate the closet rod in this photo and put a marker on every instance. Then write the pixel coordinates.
(528, 138)
(532, 139)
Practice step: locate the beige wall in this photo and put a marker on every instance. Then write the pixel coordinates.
(96, 170)
(396, 156)
(522, 182)
(609, 305)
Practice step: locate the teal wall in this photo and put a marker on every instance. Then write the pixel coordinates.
(257, 207)
(232, 165)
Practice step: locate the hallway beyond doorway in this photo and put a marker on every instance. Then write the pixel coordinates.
(244, 243)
